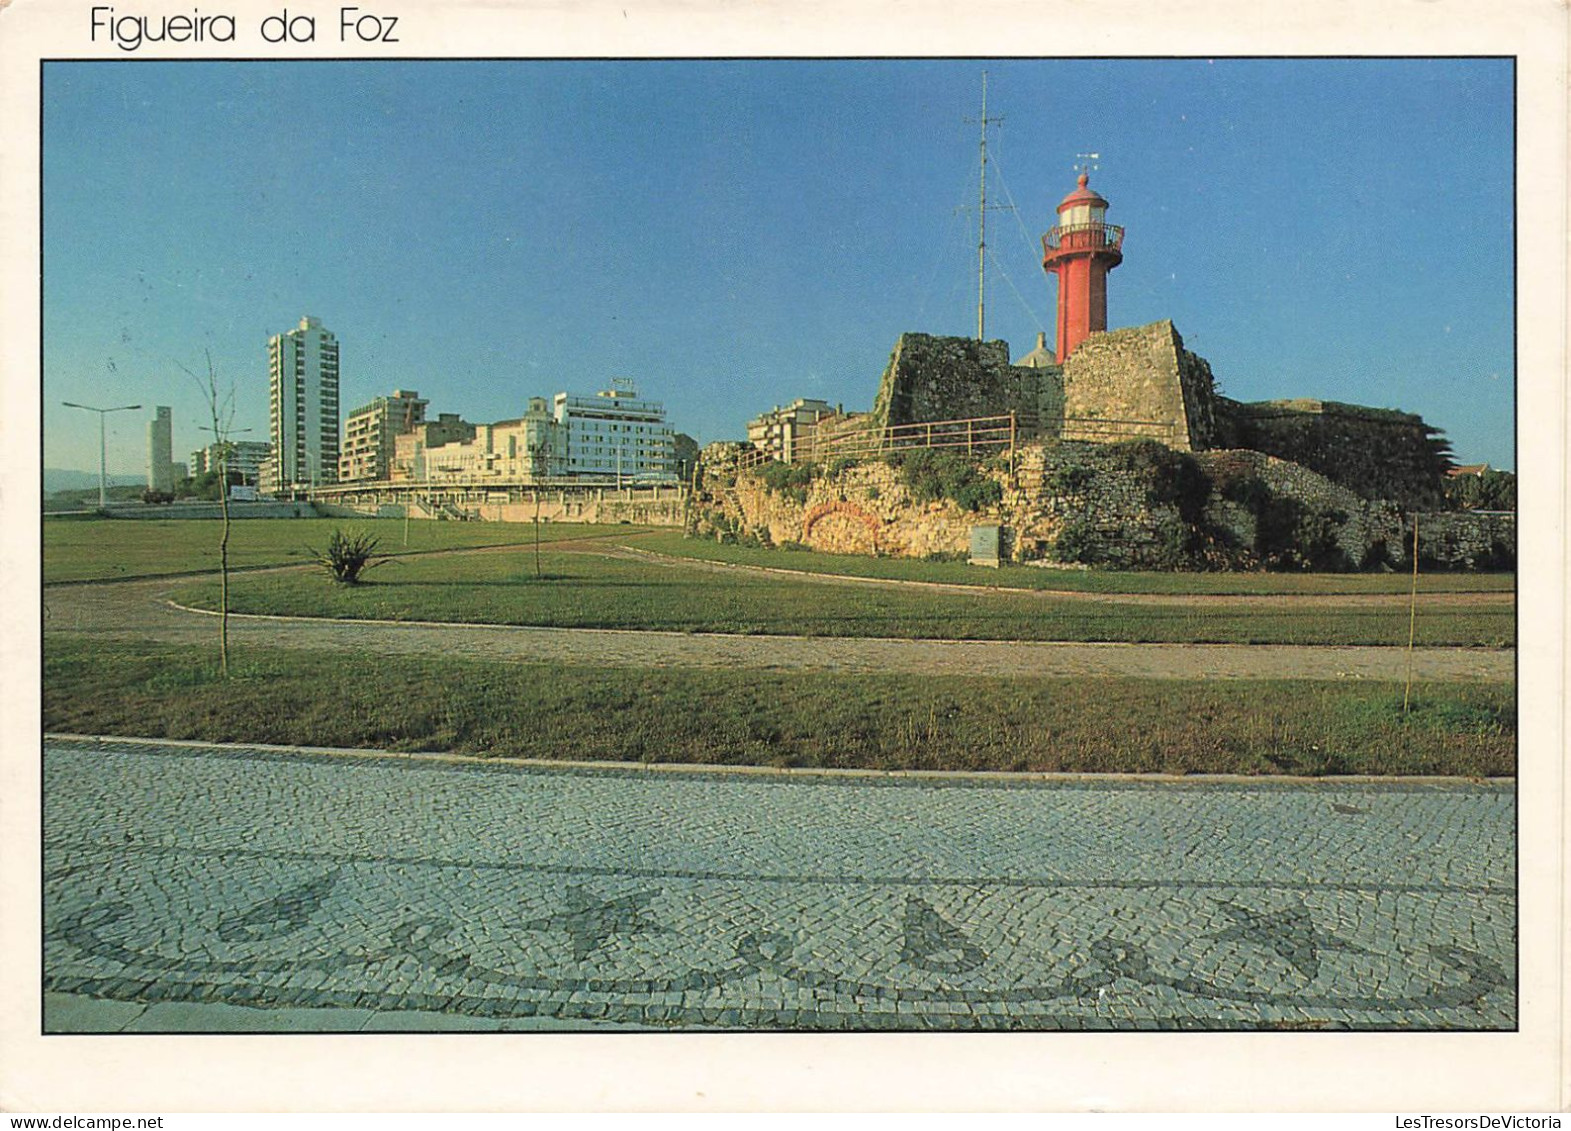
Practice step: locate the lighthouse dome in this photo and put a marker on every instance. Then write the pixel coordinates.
(1082, 197)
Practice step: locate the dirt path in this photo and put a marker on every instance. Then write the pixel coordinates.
(1200, 600)
(140, 610)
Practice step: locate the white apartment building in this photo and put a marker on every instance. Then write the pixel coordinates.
(616, 437)
(611, 437)
(245, 457)
(302, 366)
(780, 430)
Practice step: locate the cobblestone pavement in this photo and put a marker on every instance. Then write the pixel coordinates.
(370, 891)
(139, 610)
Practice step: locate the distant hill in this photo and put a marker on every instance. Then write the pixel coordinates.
(63, 479)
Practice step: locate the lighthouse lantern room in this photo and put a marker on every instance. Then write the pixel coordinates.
(1081, 250)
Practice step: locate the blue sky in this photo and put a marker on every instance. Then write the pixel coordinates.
(733, 235)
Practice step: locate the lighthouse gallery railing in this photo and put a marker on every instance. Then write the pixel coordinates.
(1083, 237)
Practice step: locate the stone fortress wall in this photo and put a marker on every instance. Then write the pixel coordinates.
(937, 378)
(1240, 510)
(1141, 382)
(1136, 382)
(1287, 484)
(1379, 453)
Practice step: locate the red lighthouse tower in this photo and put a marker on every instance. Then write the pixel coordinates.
(1081, 250)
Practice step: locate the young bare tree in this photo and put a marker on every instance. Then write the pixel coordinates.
(541, 462)
(221, 410)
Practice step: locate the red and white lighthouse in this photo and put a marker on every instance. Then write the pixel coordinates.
(1081, 250)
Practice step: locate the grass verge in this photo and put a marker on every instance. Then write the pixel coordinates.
(585, 590)
(778, 719)
(1075, 580)
(108, 549)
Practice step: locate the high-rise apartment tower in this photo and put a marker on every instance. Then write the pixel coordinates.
(302, 367)
(160, 451)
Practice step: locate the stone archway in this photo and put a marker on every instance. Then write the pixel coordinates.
(840, 528)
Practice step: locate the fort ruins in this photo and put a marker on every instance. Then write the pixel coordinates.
(1112, 447)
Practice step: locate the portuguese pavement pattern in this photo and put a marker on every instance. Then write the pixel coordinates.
(595, 898)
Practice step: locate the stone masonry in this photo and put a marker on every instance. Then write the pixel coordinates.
(859, 509)
(936, 378)
(1379, 453)
(1115, 497)
(1139, 382)
(1119, 385)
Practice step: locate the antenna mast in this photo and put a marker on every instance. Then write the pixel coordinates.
(981, 224)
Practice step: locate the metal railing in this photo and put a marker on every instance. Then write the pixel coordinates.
(1083, 237)
(750, 458)
(978, 434)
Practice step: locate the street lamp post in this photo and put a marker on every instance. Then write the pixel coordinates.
(103, 478)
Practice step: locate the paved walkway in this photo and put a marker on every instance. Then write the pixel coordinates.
(141, 610)
(193, 888)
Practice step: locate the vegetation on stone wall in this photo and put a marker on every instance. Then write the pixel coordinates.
(793, 480)
(1071, 480)
(945, 378)
(1141, 505)
(1467, 541)
(1079, 544)
(1134, 505)
(1289, 533)
(1171, 478)
(1377, 454)
(1491, 491)
(933, 475)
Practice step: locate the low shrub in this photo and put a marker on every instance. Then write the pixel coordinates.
(348, 555)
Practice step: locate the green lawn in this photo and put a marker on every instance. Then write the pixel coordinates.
(590, 591)
(776, 719)
(1077, 580)
(98, 549)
